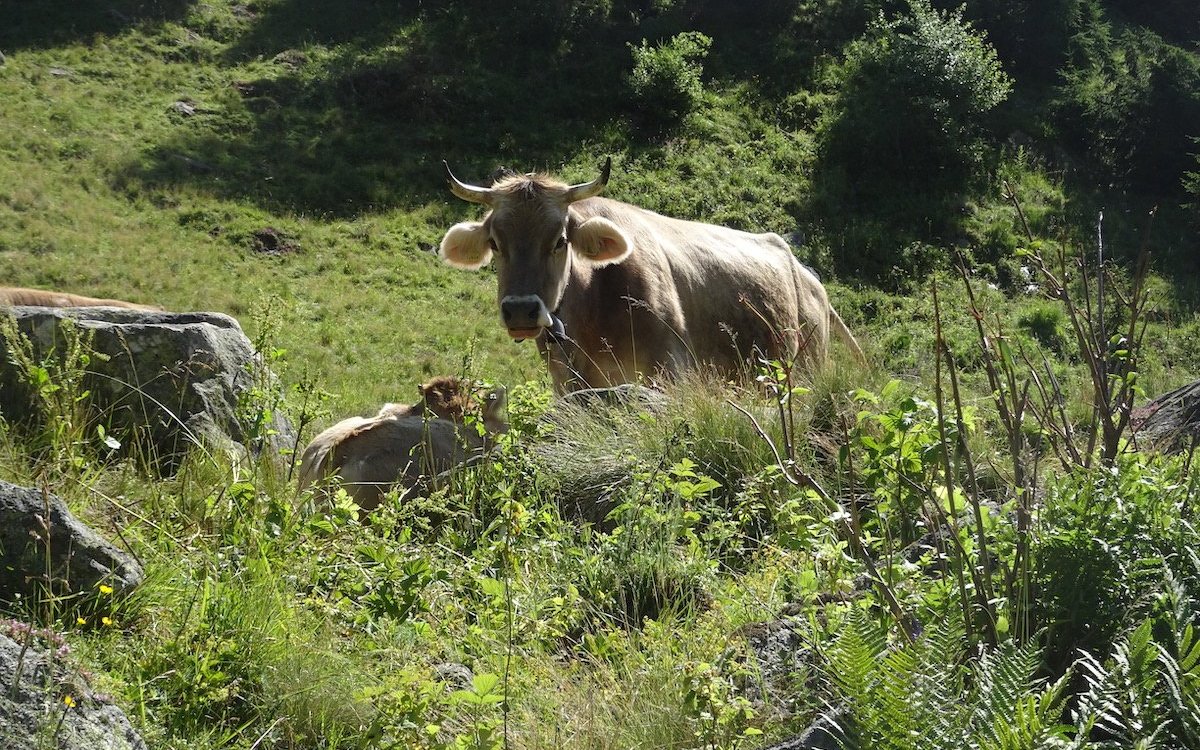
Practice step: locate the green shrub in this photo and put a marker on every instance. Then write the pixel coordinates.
(1029, 35)
(1099, 559)
(665, 80)
(1191, 181)
(915, 92)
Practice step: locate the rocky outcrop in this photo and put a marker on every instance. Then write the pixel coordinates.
(159, 383)
(819, 736)
(780, 661)
(45, 704)
(1170, 422)
(37, 533)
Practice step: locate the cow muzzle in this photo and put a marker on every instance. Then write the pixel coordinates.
(525, 316)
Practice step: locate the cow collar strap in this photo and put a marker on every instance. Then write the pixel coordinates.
(557, 332)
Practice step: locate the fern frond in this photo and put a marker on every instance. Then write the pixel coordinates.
(903, 697)
(1121, 700)
(1181, 678)
(1032, 722)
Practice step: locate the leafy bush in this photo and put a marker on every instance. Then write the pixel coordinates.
(665, 80)
(936, 79)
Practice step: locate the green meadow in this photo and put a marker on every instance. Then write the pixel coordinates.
(963, 554)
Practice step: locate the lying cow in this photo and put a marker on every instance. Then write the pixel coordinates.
(612, 292)
(11, 296)
(452, 399)
(403, 443)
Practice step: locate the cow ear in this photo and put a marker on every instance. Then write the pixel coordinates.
(600, 241)
(467, 245)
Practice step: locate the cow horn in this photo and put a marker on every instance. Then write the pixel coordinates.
(589, 189)
(471, 193)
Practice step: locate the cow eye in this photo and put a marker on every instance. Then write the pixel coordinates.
(560, 245)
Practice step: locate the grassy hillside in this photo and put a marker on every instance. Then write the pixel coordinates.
(222, 156)
(957, 574)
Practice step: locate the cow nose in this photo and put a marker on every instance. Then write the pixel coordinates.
(522, 312)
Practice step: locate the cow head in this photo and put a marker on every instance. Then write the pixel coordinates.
(534, 235)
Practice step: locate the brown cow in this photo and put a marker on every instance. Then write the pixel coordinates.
(613, 292)
(401, 444)
(11, 296)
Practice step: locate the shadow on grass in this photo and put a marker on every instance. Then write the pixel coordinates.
(40, 24)
(357, 110)
(363, 100)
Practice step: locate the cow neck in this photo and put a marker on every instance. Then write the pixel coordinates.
(557, 332)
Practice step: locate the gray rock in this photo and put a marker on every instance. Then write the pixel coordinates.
(1170, 422)
(80, 559)
(453, 675)
(35, 683)
(162, 383)
(818, 736)
(782, 663)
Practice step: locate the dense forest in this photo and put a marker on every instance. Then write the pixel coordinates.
(963, 544)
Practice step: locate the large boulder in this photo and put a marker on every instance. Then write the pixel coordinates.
(37, 531)
(45, 704)
(1170, 422)
(160, 383)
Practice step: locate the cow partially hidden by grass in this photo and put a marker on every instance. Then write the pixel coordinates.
(404, 443)
(613, 293)
(11, 296)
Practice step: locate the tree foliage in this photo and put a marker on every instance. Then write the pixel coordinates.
(1131, 101)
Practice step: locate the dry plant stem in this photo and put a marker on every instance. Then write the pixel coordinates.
(61, 719)
(1057, 289)
(855, 518)
(1102, 333)
(950, 519)
(798, 477)
(20, 668)
(258, 742)
(1111, 402)
(49, 574)
(787, 416)
(986, 595)
(1051, 415)
(1020, 601)
(1003, 381)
